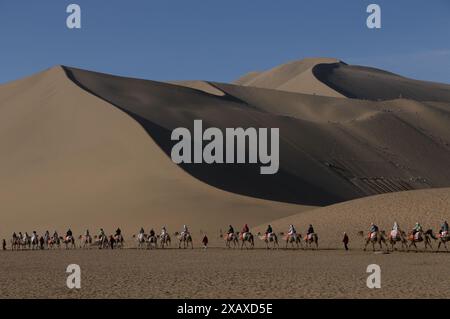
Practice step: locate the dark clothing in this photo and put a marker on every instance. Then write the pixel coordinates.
(69, 233)
(345, 241)
(245, 229)
(269, 230)
(4, 244)
(152, 233)
(205, 241)
(230, 230)
(118, 232)
(310, 230)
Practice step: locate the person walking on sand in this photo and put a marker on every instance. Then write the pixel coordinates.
(205, 242)
(345, 240)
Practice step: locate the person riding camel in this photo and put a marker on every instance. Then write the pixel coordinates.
(163, 231)
(269, 231)
(230, 231)
(373, 229)
(87, 233)
(142, 230)
(395, 230)
(292, 231)
(152, 233)
(118, 232)
(14, 235)
(310, 231)
(444, 229)
(69, 233)
(102, 234)
(185, 231)
(417, 228)
(245, 230)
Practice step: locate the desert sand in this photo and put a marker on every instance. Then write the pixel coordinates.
(220, 273)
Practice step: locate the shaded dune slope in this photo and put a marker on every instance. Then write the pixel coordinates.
(331, 149)
(74, 160)
(368, 83)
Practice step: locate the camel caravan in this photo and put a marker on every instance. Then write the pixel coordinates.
(405, 241)
(395, 239)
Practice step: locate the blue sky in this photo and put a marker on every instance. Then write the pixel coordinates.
(221, 39)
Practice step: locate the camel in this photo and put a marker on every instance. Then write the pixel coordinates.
(231, 238)
(374, 238)
(69, 241)
(152, 242)
(186, 239)
(101, 241)
(270, 238)
(394, 238)
(247, 237)
(118, 241)
(86, 241)
(164, 240)
(294, 239)
(54, 241)
(421, 236)
(443, 239)
(311, 239)
(141, 239)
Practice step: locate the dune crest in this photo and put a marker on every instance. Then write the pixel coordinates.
(296, 76)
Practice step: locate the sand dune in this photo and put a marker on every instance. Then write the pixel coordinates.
(86, 148)
(74, 160)
(295, 76)
(331, 149)
(373, 84)
(429, 207)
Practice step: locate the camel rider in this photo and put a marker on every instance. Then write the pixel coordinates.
(163, 231)
(230, 231)
(245, 229)
(34, 234)
(55, 235)
(142, 230)
(310, 230)
(373, 229)
(185, 230)
(152, 233)
(69, 233)
(118, 232)
(14, 236)
(102, 234)
(269, 231)
(417, 228)
(444, 229)
(395, 227)
(292, 231)
(87, 233)
(395, 230)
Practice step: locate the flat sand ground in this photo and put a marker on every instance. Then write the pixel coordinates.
(220, 273)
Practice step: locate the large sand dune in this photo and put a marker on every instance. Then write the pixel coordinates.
(90, 149)
(73, 160)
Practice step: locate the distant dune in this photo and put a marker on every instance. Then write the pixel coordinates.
(294, 76)
(90, 149)
(367, 83)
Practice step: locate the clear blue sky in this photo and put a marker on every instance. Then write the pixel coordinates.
(222, 39)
